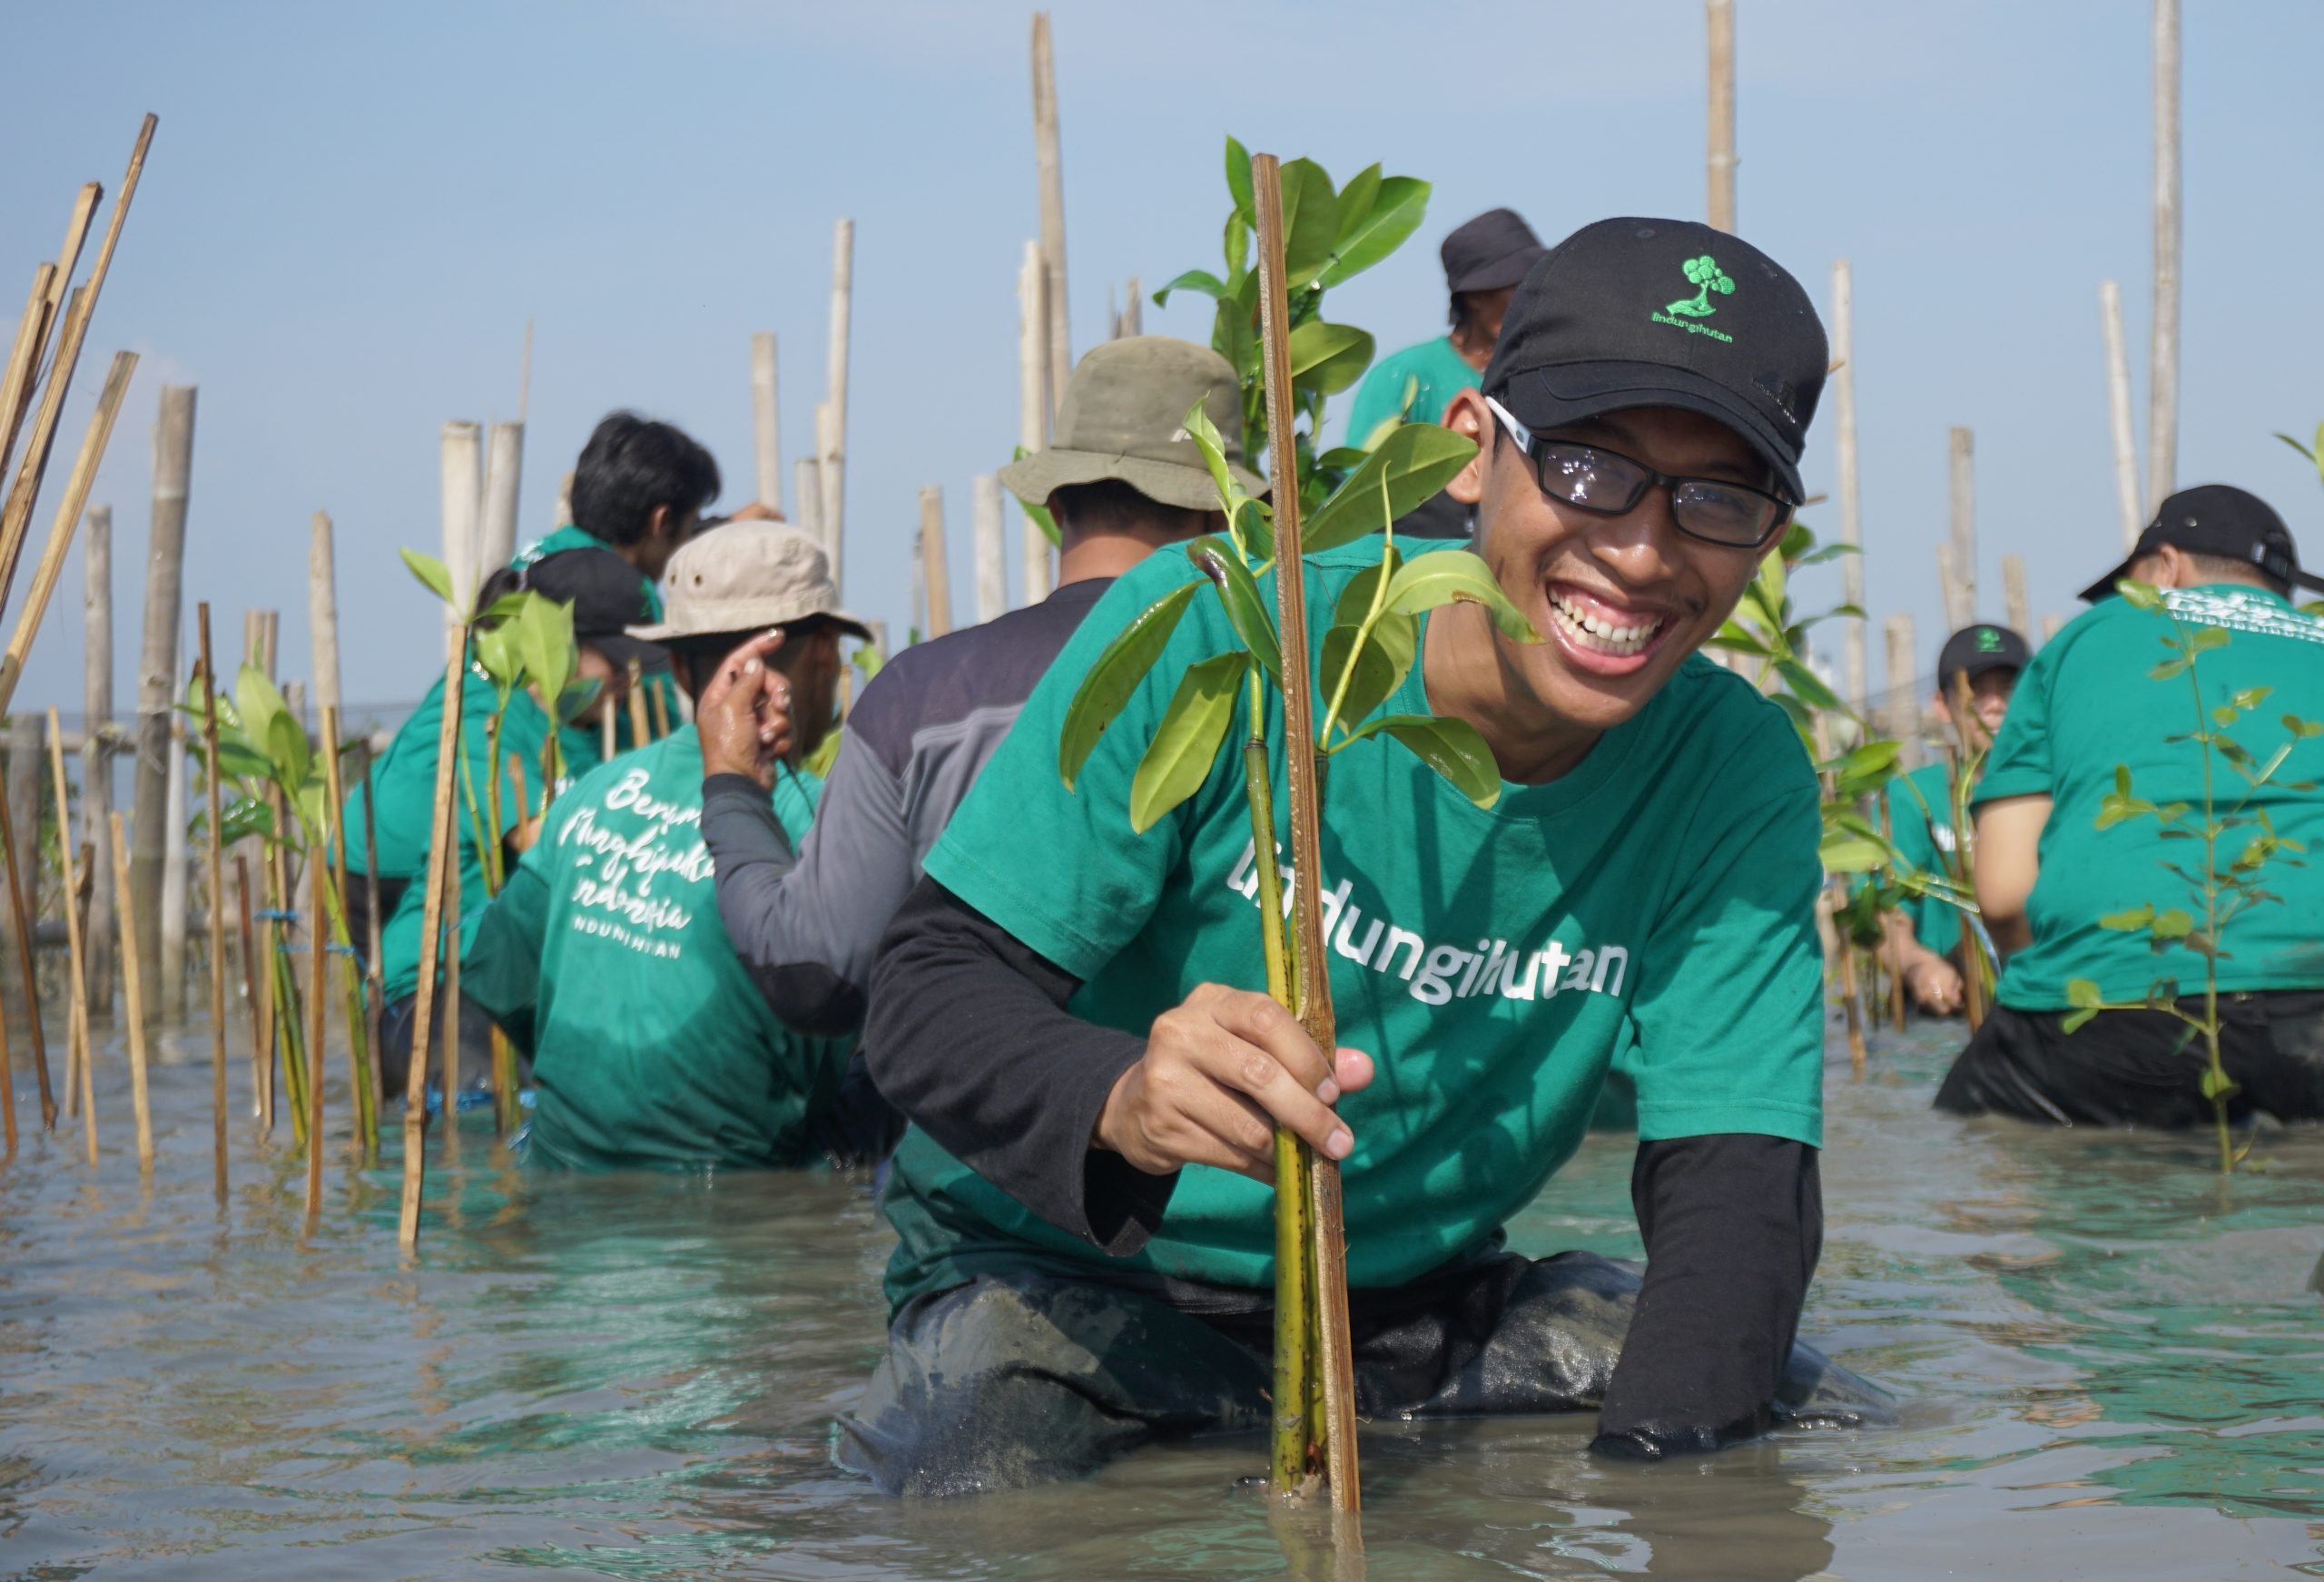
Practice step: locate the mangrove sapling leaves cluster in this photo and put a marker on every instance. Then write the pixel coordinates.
(2233, 846)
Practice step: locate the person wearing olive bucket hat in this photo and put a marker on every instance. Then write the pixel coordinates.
(603, 957)
(806, 911)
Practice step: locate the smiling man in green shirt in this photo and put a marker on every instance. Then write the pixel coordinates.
(1074, 1018)
(2048, 876)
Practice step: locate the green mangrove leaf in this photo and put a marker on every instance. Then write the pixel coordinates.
(1311, 222)
(1212, 446)
(1239, 181)
(287, 750)
(2133, 921)
(1038, 516)
(1329, 356)
(1115, 676)
(2140, 595)
(1446, 575)
(2217, 1083)
(2082, 993)
(1852, 854)
(2074, 1021)
(432, 574)
(576, 696)
(1357, 199)
(1381, 665)
(257, 702)
(1415, 462)
(2207, 638)
(1185, 744)
(2174, 924)
(1808, 685)
(1201, 280)
(1393, 215)
(1247, 609)
(1454, 748)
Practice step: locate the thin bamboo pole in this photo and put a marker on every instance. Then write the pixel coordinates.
(1049, 159)
(1904, 697)
(2013, 593)
(1133, 320)
(19, 828)
(503, 472)
(2163, 383)
(374, 980)
(1335, 1360)
(2117, 415)
(766, 422)
(157, 663)
(1719, 16)
(453, 1079)
(638, 733)
(1961, 589)
(60, 533)
(2051, 626)
(1895, 947)
(1033, 404)
(361, 1088)
(442, 842)
(79, 1054)
(172, 927)
(76, 234)
(991, 548)
(657, 703)
(833, 439)
(261, 1075)
(317, 990)
(322, 609)
(460, 499)
(23, 360)
(1852, 633)
(215, 849)
(96, 777)
(132, 998)
(931, 550)
(807, 495)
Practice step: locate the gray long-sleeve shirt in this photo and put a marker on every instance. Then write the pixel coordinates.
(806, 920)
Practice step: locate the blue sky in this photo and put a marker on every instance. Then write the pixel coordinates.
(351, 211)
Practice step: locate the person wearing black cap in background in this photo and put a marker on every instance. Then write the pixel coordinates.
(1483, 262)
(1926, 932)
(1083, 1201)
(606, 598)
(2095, 700)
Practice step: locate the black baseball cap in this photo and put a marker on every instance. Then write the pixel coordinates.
(1493, 250)
(1629, 313)
(607, 594)
(1975, 650)
(2216, 519)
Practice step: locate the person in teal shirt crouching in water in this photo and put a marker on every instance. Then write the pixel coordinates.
(1923, 931)
(1074, 1019)
(603, 956)
(2049, 876)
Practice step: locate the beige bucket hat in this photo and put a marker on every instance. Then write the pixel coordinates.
(746, 576)
(1124, 417)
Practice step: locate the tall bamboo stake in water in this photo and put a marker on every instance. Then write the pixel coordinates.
(1961, 590)
(322, 609)
(175, 878)
(832, 439)
(461, 482)
(19, 824)
(991, 548)
(132, 996)
(932, 551)
(1033, 402)
(1904, 690)
(1845, 484)
(639, 735)
(442, 845)
(23, 360)
(77, 1022)
(96, 719)
(2019, 607)
(766, 422)
(215, 849)
(2117, 415)
(253, 1003)
(1334, 1362)
(374, 981)
(157, 662)
(1719, 16)
(1049, 156)
(2163, 384)
(362, 1089)
(503, 472)
(318, 988)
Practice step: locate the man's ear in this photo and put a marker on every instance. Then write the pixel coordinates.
(1470, 415)
(659, 522)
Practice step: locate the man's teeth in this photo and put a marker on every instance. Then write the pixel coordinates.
(1603, 636)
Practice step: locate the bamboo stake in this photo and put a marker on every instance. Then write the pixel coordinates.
(807, 494)
(79, 1054)
(2013, 593)
(173, 880)
(503, 472)
(77, 233)
(1133, 311)
(1334, 1362)
(374, 980)
(442, 839)
(24, 359)
(1970, 736)
(607, 748)
(215, 846)
(1895, 949)
(832, 437)
(132, 998)
(1049, 156)
(1033, 403)
(1961, 589)
(60, 533)
(931, 550)
(322, 609)
(7, 1086)
(96, 715)
(20, 856)
(262, 1068)
(317, 871)
(359, 1055)
(2051, 626)
(82, 305)
(455, 897)
(1720, 19)
(2163, 384)
(766, 422)
(658, 703)
(991, 548)
(2117, 415)
(460, 482)
(638, 734)
(1852, 629)
(157, 664)
(1903, 697)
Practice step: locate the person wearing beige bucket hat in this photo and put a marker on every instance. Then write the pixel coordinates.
(805, 911)
(604, 956)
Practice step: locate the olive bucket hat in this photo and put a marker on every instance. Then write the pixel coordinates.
(1124, 418)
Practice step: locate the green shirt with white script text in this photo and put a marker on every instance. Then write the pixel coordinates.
(2087, 705)
(1657, 901)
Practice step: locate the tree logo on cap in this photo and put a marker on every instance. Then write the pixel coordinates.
(1988, 640)
(1707, 277)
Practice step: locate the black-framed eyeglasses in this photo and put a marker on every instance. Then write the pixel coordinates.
(1606, 483)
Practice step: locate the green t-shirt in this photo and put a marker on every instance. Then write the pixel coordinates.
(1437, 373)
(403, 783)
(1922, 830)
(2086, 704)
(658, 682)
(651, 1046)
(1658, 901)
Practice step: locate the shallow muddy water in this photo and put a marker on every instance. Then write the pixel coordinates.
(2110, 1364)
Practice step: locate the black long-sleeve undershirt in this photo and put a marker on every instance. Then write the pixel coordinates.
(969, 1036)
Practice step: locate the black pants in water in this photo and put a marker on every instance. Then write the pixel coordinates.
(2143, 1067)
(476, 1044)
(1013, 1381)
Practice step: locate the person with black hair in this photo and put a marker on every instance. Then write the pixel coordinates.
(639, 490)
(604, 956)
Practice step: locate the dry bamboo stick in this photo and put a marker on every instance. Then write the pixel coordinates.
(58, 276)
(991, 549)
(1337, 1360)
(157, 665)
(1896, 947)
(1904, 698)
(460, 479)
(2117, 415)
(766, 422)
(1720, 16)
(1845, 482)
(76, 235)
(358, 1070)
(96, 780)
(442, 843)
(2163, 383)
(1961, 589)
(2013, 593)
(261, 1069)
(657, 702)
(807, 497)
(322, 609)
(19, 853)
(504, 475)
(1133, 319)
(132, 998)
(217, 855)
(23, 360)
(1050, 161)
(1033, 403)
(932, 551)
(638, 735)
(833, 439)
(454, 900)
(60, 533)
(174, 879)
(79, 1055)
(317, 990)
